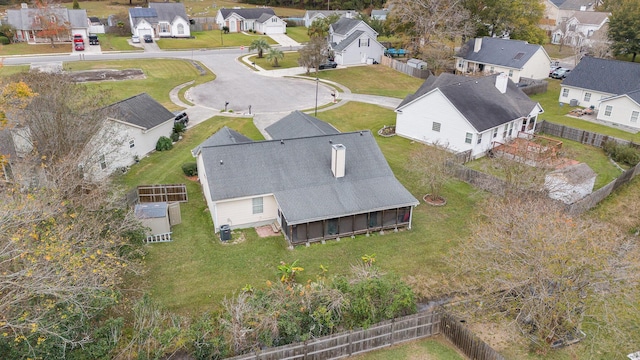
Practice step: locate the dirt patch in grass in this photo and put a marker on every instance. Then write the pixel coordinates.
(107, 75)
(266, 231)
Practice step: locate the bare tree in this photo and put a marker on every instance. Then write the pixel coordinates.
(313, 54)
(549, 272)
(433, 166)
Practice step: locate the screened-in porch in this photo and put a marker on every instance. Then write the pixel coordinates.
(327, 229)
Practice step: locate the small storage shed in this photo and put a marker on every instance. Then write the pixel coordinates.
(570, 183)
(417, 63)
(154, 216)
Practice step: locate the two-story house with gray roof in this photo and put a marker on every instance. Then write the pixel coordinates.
(466, 113)
(160, 20)
(354, 42)
(610, 86)
(27, 22)
(516, 58)
(556, 11)
(315, 187)
(263, 20)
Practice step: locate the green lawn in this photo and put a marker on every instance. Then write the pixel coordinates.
(111, 42)
(298, 33)
(211, 39)
(555, 53)
(557, 114)
(13, 69)
(290, 60)
(28, 49)
(374, 80)
(184, 275)
(161, 77)
(435, 348)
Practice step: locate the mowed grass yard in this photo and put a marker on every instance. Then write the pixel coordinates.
(161, 77)
(373, 80)
(28, 49)
(196, 271)
(289, 60)
(298, 33)
(211, 39)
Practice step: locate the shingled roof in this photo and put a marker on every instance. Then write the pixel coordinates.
(140, 110)
(478, 99)
(496, 51)
(249, 13)
(604, 75)
(224, 136)
(168, 11)
(344, 25)
(297, 125)
(23, 18)
(298, 173)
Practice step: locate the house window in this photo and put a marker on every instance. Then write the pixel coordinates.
(468, 138)
(572, 27)
(53, 19)
(435, 126)
(274, 20)
(504, 131)
(607, 110)
(495, 132)
(164, 27)
(587, 96)
(510, 129)
(565, 92)
(103, 162)
(491, 70)
(36, 20)
(258, 207)
(634, 116)
(460, 64)
(479, 138)
(180, 29)
(132, 144)
(364, 42)
(510, 73)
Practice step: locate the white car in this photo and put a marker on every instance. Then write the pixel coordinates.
(135, 39)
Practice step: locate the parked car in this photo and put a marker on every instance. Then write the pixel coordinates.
(135, 39)
(79, 46)
(182, 118)
(328, 65)
(553, 68)
(77, 38)
(93, 40)
(560, 73)
(147, 38)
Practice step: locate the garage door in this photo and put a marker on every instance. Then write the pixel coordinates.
(143, 32)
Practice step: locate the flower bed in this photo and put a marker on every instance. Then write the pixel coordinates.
(387, 131)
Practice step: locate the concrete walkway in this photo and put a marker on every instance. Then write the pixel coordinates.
(284, 40)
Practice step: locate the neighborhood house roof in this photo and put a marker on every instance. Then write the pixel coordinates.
(382, 12)
(347, 41)
(151, 210)
(478, 99)
(575, 4)
(327, 13)
(298, 173)
(297, 125)
(264, 18)
(344, 25)
(248, 14)
(591, 17)
(496, 51)
(168, 11)
(604, 75)
(23, 19)
(140, 110)
(224, 136)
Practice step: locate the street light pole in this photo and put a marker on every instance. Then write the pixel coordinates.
(316, 111)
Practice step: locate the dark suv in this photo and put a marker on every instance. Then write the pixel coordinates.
(328, 65)
(147, 38)
(181, 118)
(93, 40)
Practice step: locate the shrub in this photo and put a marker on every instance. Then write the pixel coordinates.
(4, 40)
(190, 169)
(175, 136)
(621, 153)
(179, 128)
(164, 143)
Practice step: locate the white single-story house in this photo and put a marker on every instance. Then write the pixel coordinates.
(133, 127)
(516, 58)
(612, 87)
(379, 14)
(314, 188)
(312, 15)
(263, 20)
(28, 23)
(466, 113)
(160, 20)
(354, 42)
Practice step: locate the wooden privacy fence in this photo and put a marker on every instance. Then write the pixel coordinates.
(465, 340)
(381, 335)
(532, 86)
(403, 67)
(162, 193)
(582, 136)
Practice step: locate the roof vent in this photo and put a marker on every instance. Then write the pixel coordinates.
(361, 133)
(282, 142)
(330, 141)
(221, 162)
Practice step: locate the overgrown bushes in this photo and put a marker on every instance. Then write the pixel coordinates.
(164, 144)
(622, 153)
(190, 169)
(4, 40)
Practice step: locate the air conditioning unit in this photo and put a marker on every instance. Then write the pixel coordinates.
(573, 102)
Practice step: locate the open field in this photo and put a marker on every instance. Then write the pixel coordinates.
(211, 39)
(374, 80)
(162, 76)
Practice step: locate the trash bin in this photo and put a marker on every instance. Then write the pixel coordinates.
(225, 233)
